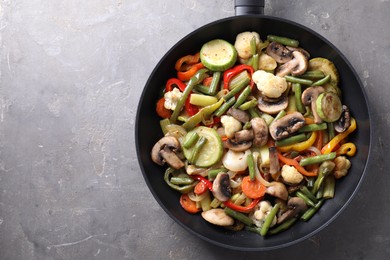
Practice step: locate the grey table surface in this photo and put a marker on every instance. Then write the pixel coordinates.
(71, 76)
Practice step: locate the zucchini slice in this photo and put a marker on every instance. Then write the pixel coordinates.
(218, 55)
(327, 67)
(211, 151)
(329, 107)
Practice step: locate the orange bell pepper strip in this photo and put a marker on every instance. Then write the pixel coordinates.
(161, 110)
(187, 66)
(329, 147)
(294, 163)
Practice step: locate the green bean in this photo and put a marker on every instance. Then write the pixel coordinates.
(181, 180)
(212, 174)
(196, 79)
(251, 166)
(267, 118)
(322, 81)
(325, 168)
(298, 80)
(254, 229)
(282, 227)
(202, 89)
(205, 203)
(255, 61)
(291, 140)
(215, 203)
(222, 109)
(248, 104)
(253, 46)
(268, 219)
(307, 200)
(313, 127)
(297, 88)
(233, 92)
(329, 187)
(310, 195)
(310, 212)
(313, 74)
(281, 114)
(331, 133)
(190, 139)
(213, 89)
(203, 113)
(196, 150)
(242, 97)
(247, 125)
(253, 112)
(283, 40)
(239, 216)
(320, 192)
(317, 159)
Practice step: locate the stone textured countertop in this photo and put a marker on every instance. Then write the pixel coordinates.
(71, 75)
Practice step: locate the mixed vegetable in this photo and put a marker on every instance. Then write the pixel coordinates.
(255, 133)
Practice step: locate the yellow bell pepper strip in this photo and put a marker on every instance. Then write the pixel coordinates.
(347, 148)
(329, 147)
(295, 163)
(299, 147)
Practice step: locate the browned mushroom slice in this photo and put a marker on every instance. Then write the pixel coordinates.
(278, 190)
(303, 51)
(279, 52)
(165, 151)
(296, 66)
(287, 125)
(295, 206)
(244, 135)
(221, 187)
(260, 131)
(238, 114)
(237, 146)
(344, 121)
(309, 97)
(272, 108)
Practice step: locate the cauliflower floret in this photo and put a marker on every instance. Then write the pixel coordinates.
(231, 125)
(171, 98)
(342, 166)
(268, 84)
(243, 44)
(261, 212)
(291, 175)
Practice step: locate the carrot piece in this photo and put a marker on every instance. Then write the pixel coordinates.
(188, 205)
(294, 163)
(161, 110)
(200, 188)
(252, 189)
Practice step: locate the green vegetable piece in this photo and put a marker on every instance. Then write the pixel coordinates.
(223, 108)
(329, 107)
(327, 67)
(181, 189)
(251, 166)
(239, 216)
(291, 140)
(283, 40)
(248, 104)
(197, 148)
(190, 139)
(213, 89)
(317, 159)
(242, 97)
(203, 113)
(313, 127)
(293, 79)
(311, 211)
(322, 81)
(218, 55)
(297, 89)
(268, 219)
(282, 227)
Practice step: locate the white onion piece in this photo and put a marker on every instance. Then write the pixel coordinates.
(235, 161)
(235, 183)
(314, 150)
(257, 171)
(195, 197)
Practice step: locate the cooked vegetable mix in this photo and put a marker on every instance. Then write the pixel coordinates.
(255, 133)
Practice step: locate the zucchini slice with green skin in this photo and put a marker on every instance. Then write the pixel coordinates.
(327, 67)
(218, 55)
(211, 151)
(329, 106)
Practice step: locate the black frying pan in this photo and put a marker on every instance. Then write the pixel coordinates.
(147, 131)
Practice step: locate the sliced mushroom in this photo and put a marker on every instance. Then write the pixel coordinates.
(244, 135)
(260, 131)
(236, 146)
(309, 97)
(344, 121)
(296, 66)
(221, 187)
(287, 125)
(238, 114)
(295, 206)
(279, 52)
(278, 190)
(165, 150)
(303, 51)
(217, 217)
(272, 108)
(274, 165)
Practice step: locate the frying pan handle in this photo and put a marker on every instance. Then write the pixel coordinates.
(242, 7)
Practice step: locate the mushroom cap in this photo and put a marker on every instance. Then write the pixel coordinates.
(303, 51)
(260, 131)
(272, 108)
(295, 206)
(296, 66)
(278, 190)
(309, 97)
(221, 187)
(238, 114)
(344, 121)
(170, 142)
(287, 125)
(217, 217)
(237, 146)
(244, 135)
(279, 52)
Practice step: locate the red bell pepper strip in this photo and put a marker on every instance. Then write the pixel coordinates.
(190, 108)
(230, 73)
(244, 209)
(172, 82)
(208, 183)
